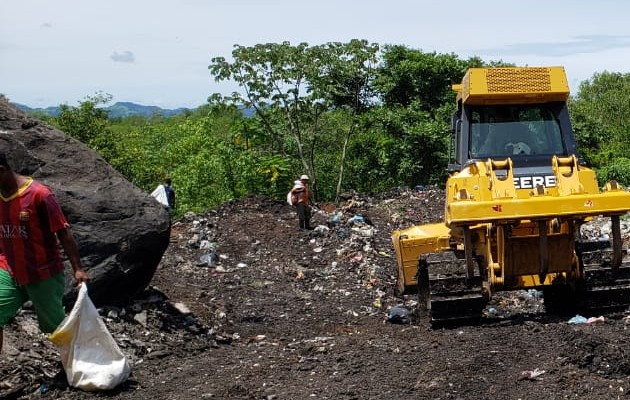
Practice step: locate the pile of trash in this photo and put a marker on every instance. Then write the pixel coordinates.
(245, 268)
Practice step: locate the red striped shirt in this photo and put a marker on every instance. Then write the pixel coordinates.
(28, 222)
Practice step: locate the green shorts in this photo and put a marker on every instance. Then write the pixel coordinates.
(45, 295)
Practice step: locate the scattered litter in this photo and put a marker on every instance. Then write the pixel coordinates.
(366, 232)
(357, 259)
(208, 260)
(323, 277)
(181, 307)
(357, 219)
(532, 375)
(578, 319)
(398, 315)
(205, 245)
(596, 320)
(535, 294)
(321, 229)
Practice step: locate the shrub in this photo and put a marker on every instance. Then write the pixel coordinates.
(618, 169)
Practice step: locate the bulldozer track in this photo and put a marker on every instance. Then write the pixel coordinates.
(606, 287)
(448, 297)
(446, 293)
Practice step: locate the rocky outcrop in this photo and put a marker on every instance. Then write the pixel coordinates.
(121, 231)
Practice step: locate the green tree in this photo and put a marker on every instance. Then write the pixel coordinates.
(417, 102)
(347, 85)
(601, 118)
(88, 123)
(408, 75)
(290, 88)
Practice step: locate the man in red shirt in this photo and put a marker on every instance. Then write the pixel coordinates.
(31, 268)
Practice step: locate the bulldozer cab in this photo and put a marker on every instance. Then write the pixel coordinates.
(514, 131)
(520, 113)
(528, 133)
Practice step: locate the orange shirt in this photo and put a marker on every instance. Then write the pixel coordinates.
(303, 195)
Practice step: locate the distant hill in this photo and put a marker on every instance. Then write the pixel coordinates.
(117, 110)
(126, 109)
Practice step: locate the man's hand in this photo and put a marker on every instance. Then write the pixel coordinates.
(81, 276)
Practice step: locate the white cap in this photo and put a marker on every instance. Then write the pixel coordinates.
(304, 178)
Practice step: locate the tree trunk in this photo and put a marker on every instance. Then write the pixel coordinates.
(343, 162)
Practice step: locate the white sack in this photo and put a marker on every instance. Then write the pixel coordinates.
(296, 185)
(160, 195)
(90, 356)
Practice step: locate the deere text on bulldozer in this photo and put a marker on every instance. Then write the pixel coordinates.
(517, 194)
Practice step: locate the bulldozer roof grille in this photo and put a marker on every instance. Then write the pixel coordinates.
(502, 80)
(513, 85)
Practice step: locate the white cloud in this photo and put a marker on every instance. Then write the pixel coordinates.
(124, 57)
(576, 45)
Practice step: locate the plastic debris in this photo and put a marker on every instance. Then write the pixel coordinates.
(578, 319)
(596, 320)
(398, 315)
(208, 260)
(321, 229)
(535, 294)
(357, 259)
(532, 375)
(357, 219)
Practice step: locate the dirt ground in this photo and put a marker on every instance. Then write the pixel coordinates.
(246, 306)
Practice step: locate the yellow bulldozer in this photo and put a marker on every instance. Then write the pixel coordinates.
(517, 194)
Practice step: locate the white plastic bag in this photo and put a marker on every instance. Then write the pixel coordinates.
(296, 185)
(160, 195)
(90, 356)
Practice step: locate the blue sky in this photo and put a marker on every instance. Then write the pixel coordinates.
(157, 52)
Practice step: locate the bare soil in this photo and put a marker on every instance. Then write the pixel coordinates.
(246, 306)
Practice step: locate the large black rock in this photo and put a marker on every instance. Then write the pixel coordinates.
(121, 231)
